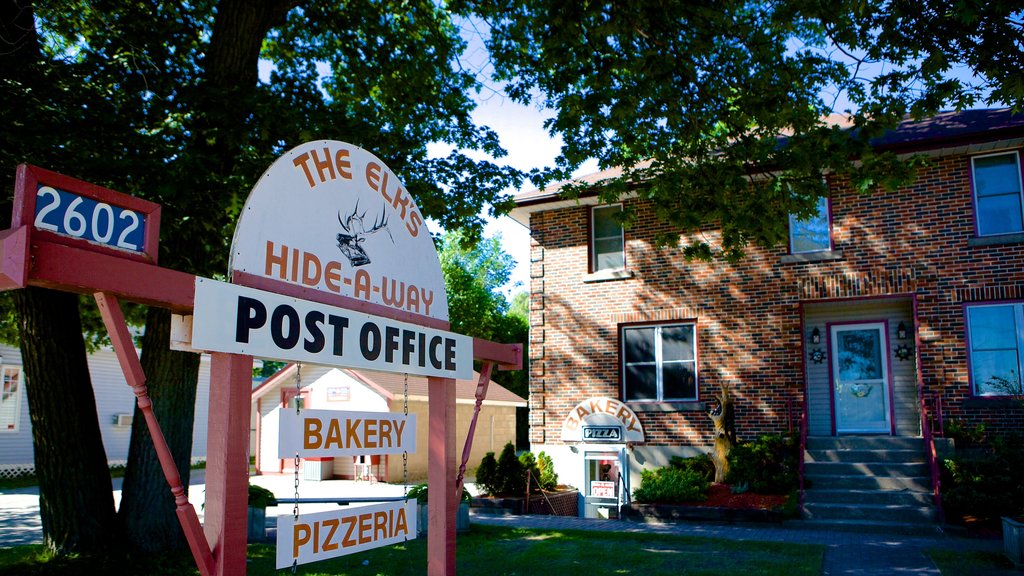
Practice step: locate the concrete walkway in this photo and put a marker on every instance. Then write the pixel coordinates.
(846, 553)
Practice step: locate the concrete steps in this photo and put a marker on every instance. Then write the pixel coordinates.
(873, 483)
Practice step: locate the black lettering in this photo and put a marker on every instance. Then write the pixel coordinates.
(449, 354)
(252, 314)
(435, 360)
(391, 335)
(313, 321)
(370, 350)
(408, 339)
(339, 323)
(277, 332)
(421, 348)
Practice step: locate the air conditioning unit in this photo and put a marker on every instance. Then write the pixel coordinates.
(122, 419)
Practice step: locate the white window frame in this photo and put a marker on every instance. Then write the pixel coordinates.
(594, 268)
(14, 424)
(974, 192)
(822, 202)
(658, 361)
(1018, 317)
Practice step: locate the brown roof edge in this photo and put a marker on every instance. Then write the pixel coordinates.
(945, 129)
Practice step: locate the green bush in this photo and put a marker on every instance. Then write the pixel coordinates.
(511, 477)
(548, 478)
(670, 485)
(984, 481)
(260, 497)
(702, 465)
(419, 493)
(506, 475)
(768, 465)
(487, 474)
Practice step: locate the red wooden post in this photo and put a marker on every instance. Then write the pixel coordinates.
(442, 505)
(124, 349)
(227, 462)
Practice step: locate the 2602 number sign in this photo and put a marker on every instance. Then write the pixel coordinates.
(79, 217)
(72, 212)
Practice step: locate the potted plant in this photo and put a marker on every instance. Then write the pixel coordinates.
(259, 499)
(1013, 539)
(419, 492)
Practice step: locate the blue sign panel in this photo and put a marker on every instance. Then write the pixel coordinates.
(77, 216)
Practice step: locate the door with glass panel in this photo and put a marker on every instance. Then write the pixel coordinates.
(860, 377)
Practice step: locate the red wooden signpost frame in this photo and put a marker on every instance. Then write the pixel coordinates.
(34, 257)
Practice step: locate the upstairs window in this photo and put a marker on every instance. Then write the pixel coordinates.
(606, 242)
(10, 399)
(997, 194)
(812, 234)
(996, 340)
(659, 363)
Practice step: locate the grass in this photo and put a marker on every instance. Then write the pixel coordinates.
(491, 551)
(953, 563)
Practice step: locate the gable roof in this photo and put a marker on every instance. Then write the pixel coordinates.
(947, 132)
(390, 385)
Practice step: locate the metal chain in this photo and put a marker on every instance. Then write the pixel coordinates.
(405, 453)
(295, 507)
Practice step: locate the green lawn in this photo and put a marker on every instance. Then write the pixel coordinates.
(953, 563)
(497, 551)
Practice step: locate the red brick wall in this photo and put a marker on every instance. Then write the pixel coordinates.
(912, 241)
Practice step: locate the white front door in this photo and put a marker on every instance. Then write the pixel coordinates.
(602, 480)
(860, 376)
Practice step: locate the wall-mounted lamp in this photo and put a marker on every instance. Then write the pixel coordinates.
(901, 331)
(815, 336)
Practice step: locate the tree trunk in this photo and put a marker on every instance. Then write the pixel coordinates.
(76, 503)
(725, 433)
(147, 505)
(230, 74)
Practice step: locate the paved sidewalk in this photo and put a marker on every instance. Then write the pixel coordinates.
(846, 553)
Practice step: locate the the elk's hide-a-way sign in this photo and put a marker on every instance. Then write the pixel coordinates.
(338, 268)
(331, 217)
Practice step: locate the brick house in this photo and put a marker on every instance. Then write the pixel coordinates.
(880, 307)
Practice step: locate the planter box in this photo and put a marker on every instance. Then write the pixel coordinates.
(550, 503)
(1013, 541)
(461, 518)
(670, 512)
(257, 529)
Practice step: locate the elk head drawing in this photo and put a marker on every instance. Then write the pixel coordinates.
(355, 231)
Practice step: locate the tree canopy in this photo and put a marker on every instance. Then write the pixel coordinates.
(165, 101)
(723, 112)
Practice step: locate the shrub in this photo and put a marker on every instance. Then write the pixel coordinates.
(260, 497)
(419, 493)
(984, 481)
(768, 465)
(511, 477)
(702, 465)
(548, 478)
(670, 485)
(487, 474)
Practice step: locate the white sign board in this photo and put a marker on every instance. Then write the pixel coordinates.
(326, 535)
(328, 433)
(240, 320)
(331, 217)
(602, 489)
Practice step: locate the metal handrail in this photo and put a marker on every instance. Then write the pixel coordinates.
(803, 450)
(931, 455)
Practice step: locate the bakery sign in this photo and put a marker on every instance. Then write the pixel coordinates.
(602, 419)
